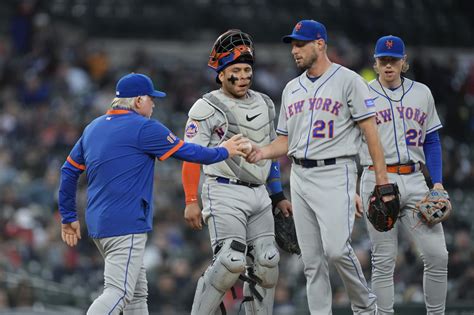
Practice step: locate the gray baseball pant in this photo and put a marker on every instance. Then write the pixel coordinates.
(429, 241)
(125, 284)
(323, 209)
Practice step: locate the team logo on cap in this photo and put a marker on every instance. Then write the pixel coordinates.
(192, 129)
(298, 27)
(389, 43)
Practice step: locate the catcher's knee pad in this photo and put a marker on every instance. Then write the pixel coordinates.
(219, 277)
(266, 258)
(227, 266)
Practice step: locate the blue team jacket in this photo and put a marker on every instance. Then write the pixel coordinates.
(118, 152)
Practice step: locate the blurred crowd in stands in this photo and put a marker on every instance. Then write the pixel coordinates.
(52, 86)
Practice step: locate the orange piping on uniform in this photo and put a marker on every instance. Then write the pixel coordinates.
(76, 165)
(173, 150)
(118, 111)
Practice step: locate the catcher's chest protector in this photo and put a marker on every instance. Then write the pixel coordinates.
(253, 118)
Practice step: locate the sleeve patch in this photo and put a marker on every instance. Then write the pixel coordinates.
(192, 129)
(171, 138)
(369, 103)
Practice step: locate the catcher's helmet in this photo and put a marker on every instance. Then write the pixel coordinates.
(231, 47)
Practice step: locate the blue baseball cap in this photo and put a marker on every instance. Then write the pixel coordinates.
(389, 46)
(136, 84)
(307, 30)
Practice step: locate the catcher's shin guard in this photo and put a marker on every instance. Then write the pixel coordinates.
(219, 277)
(253, 305)
(259, 290)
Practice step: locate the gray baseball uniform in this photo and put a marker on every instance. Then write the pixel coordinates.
(404, 116)
(237, 212)
(319, 119)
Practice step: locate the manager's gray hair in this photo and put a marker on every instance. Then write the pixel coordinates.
(124, 102)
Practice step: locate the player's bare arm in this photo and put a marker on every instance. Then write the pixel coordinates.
(277, 148)
(369, 128)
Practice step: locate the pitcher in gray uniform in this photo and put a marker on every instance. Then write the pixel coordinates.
(407, 122)
(236, 205)
(322, 114)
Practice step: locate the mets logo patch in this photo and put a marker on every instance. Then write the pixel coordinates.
(191, 129)
(389, 44)
(369, 103)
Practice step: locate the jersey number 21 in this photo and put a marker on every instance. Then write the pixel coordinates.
(322, 129)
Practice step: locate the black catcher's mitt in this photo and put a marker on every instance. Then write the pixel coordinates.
(384, 214)
(435, 207)
(285, 233)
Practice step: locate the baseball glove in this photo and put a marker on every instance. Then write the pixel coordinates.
(384, 214)
(285, 233)
(435, 207)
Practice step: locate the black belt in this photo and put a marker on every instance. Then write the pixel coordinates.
(313, 163)
(224, 180)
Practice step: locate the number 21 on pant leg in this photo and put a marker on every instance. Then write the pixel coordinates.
(413, 137)
(322, 129)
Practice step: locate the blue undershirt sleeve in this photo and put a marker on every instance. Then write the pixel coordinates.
(433, 156)
(273, 180)
(274, 184)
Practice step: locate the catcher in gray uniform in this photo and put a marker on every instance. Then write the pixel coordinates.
(322, 115)
(236, 205)
(407, 123)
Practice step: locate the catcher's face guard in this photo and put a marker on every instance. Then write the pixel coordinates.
(230, 46)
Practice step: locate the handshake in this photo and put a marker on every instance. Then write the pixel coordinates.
(241, 146)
